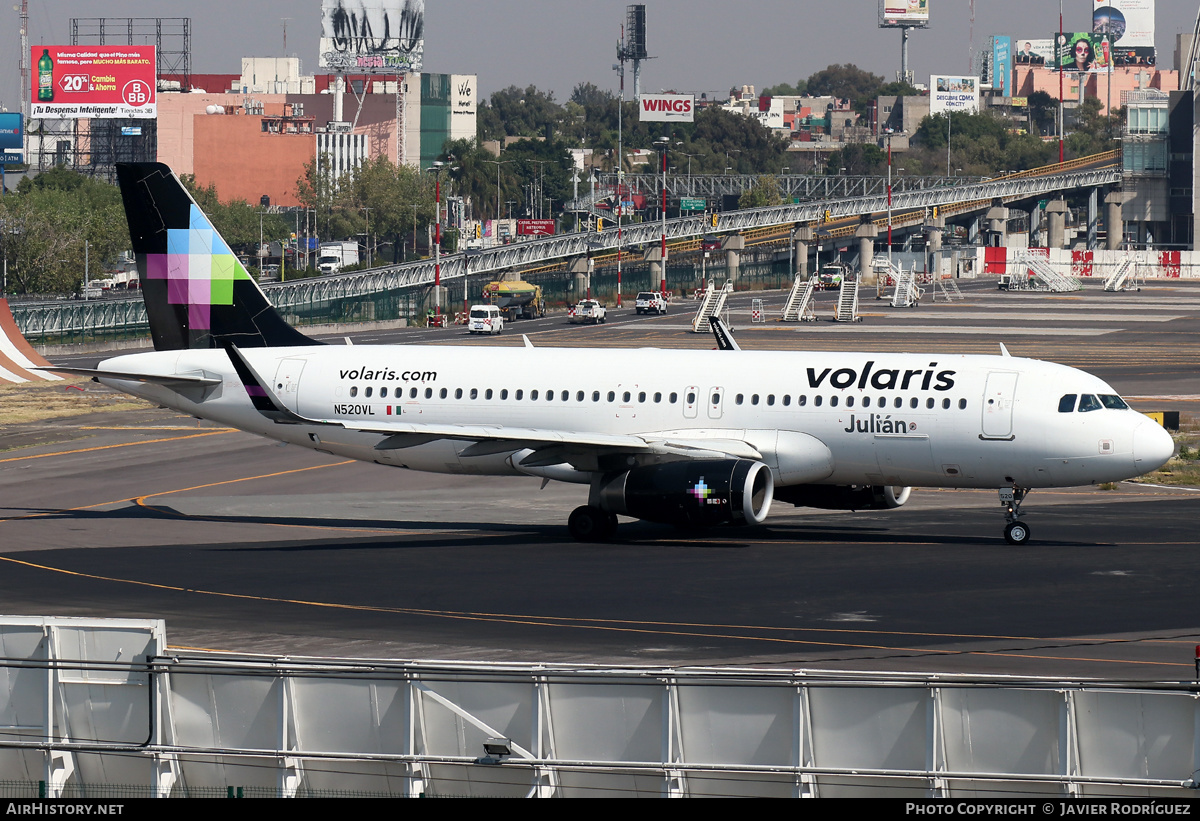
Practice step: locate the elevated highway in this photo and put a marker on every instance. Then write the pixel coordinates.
(839, 217)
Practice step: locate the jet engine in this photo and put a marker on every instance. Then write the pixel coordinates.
(692, 493)
(844, 497)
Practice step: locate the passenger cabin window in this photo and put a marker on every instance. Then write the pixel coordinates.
(801, 400)
(429, 393)
(353, 390)
(849, 401)
(412, 394)
(442, 394)
(674, 398)
(1067, 403)
(533, 394)
(367, 393)
(383, 393)
(1087, 402)
(833, 401)
(691, 398)
(458, 393)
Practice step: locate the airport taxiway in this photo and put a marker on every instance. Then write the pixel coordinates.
(243, 545)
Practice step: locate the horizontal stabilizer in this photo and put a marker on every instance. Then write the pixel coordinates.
(169, 380)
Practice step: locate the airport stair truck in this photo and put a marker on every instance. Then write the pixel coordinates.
(711, 304)
(847, 304)
(799, 305)
(334, 256)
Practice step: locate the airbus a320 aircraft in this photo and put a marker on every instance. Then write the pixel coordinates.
(692, 438)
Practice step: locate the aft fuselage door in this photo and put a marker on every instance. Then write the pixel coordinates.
(998, 398)
(287, 382)
(691, 401)
(715, 401)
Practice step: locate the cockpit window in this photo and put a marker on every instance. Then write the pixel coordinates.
(1087, 402)
(1113, 402)
(1067, 403)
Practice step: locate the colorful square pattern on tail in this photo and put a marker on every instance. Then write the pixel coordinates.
(199, 269)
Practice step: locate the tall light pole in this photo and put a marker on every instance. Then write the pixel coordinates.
(889, 199)
(620, 69)
(369, 257)
(498, 163)
(662, 144)
(437, 168)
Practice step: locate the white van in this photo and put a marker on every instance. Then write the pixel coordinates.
(485, 319)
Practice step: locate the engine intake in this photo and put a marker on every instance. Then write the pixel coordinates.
(845, 497)
(693, 494)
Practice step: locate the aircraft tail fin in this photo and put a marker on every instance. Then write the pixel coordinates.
(197, 293)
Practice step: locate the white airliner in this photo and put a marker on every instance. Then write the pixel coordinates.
(692, 438)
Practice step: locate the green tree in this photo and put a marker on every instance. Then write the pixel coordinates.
(846, 81)
(52, 222)
(764, 193)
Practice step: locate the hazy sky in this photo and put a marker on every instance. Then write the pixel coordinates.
(699, 45)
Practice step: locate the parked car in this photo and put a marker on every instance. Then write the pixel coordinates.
(650, 302)
(485, 319)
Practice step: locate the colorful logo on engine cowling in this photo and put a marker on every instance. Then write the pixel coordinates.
(701, 491)
(199, 268)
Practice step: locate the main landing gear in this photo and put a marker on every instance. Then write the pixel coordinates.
(592, 524)
(1015, 531)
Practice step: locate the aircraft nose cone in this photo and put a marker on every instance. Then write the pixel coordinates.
(1152, 447)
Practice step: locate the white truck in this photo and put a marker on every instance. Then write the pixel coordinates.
(587, 311)
(650, 302)
(334, 256)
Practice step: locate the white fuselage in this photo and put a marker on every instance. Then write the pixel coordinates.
(886, 419)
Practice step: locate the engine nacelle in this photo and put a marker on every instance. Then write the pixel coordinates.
(693, 494)
(844, 497)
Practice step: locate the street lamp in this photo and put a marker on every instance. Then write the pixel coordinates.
(498, 163)
(662, 144)
(437, 167)
(369, 257)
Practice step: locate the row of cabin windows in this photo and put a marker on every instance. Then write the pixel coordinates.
(879, 401)
(672, 398)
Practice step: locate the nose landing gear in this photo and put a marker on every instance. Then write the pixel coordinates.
(1015, 531)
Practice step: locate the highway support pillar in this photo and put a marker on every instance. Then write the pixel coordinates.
(1114, 221)
(997, 219)
(733, 245)
(1035, 225)
(802, 236)
(1056, 213)
(934, 226)
(653, 255)
(578, 268)
(866, 233)
(1093, 223)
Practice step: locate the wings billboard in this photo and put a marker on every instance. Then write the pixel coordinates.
(372, 36)
(86, 82)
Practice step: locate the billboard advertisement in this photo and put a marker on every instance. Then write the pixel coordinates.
(1033, 52)
(1130, 22)
(85, 82)
(11, 129)
(372, 36)
(1082, 51)
(995, 65)
(913, 13)
(667, 108)
(957, 94)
